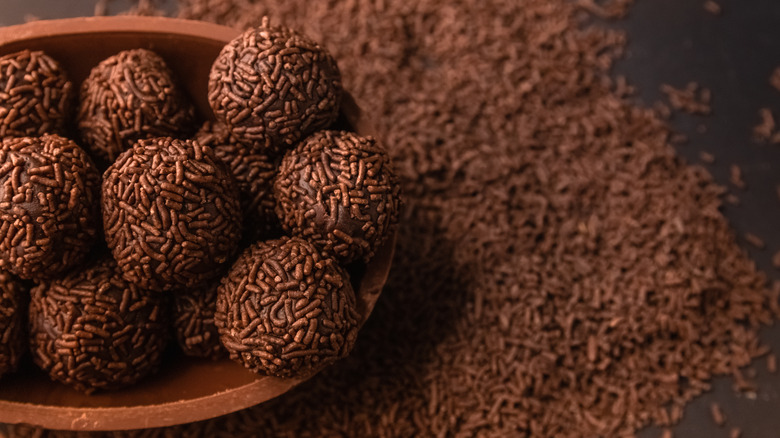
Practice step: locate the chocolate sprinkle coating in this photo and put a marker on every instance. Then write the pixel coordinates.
(131, 96)
(254, 172)
(285, 310)
(272, 86)
(193, 322)
(36, 96)
(94, 330)
(48, 205)
(12, 330)
(338, 190)
(171, 214)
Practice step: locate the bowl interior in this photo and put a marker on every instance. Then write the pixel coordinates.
(185, 389)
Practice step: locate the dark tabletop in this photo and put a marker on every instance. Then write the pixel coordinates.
(675, 42)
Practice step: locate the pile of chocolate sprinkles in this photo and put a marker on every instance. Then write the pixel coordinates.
(559, 270)
(13, 308)
(193, 322)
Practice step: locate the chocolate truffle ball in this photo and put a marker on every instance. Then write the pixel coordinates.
(254, 172)
(36, 96)
(193, 322)
(49, 204)
(131, 96)
(285, 310)
(338, 190)
(13, 333)
(93, 330)
(272, 86)
(171, 214)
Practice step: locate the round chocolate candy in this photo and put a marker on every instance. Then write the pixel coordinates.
(49, 204)
(131, 96)
(93, 330)
(13, 305)
(171, 214)
(285, 310)
(338, 190)
(272, 86)
(193, 322)
(254, 172)
(36, 96)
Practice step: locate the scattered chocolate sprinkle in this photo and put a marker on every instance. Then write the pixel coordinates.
(285, 310)
(712, 7)
(49, 205)
(771, 363)
(92, 330)
(667, 433)
(755, 240)
(693, 99)
(338, 190)
(717, 414)
(171, 214)
(706, 157)
(735, 177)
(766, 131)
(35, 95)
(776, 260)
(272, 87)
(774, 80)
(735, 432)
(131, 96)
(193, 322)
(254, 173)
(13, 306)
(732, 199)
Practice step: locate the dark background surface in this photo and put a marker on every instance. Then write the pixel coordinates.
(674, 42)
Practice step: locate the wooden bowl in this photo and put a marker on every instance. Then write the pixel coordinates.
(185, 389)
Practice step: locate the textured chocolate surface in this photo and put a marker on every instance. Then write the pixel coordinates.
(171, 214)
(49, 203)
(272, 86)
(36, 96)
(254, 173)
(286, 311)
(338, 189)
(93, 330)
(130, 96)
(193, 322)
(13, 333)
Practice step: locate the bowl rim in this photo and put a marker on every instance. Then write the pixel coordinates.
(186, 410)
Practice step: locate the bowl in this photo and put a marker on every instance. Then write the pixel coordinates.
(185, 389)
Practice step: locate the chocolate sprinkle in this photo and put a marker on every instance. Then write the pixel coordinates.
(193, 322)
(285, 310)
(338, 190)
(272, 86)
(131, 96)
(35, 95)
(254, 173)
(13, 306)
(48, 205)
(93, 330)
(171, 213)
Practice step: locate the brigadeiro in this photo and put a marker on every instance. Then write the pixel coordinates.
(285, 310)
(272, 86)
(171, 213)
(49, 204)
(338, 190)
(93, 330)
(35, 95)
(131, 96)
(193, 322)
(13, 305)
(254, 172)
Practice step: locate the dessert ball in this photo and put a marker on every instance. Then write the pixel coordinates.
(93, 330)
(131, 96)
(49, 204)
(36, 96)
(171, 214)
(338, 190)
(285, 310)
(272, 86)
(193, 322)
(254, 172)
(13, 333)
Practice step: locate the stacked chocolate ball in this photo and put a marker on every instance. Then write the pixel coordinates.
(235, 238)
